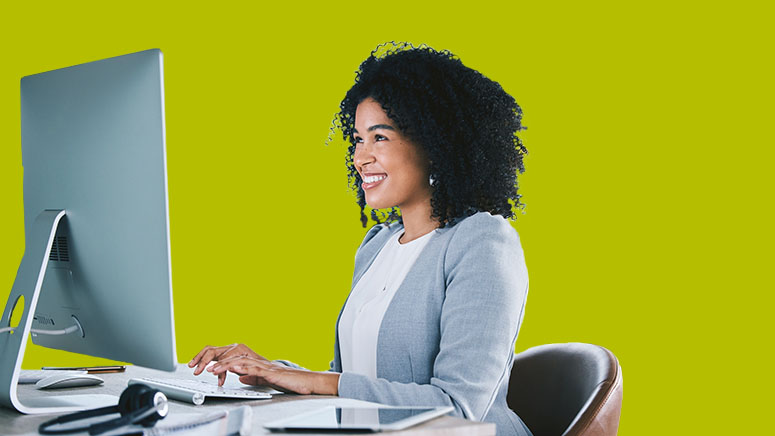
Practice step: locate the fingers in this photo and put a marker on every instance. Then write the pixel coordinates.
(241, 365)
(207, 355)
(244, 350)
(234, 357)
(198, 356)
(210, 354)
(251, 380)
(256, 371)
(259, 372)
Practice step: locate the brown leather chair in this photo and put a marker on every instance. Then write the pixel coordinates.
(567, 389)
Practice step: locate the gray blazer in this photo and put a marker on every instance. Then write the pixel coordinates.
(448, 335)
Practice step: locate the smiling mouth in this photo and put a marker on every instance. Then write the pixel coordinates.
(372, 181)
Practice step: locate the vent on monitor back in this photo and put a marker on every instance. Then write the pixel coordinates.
(59, 250)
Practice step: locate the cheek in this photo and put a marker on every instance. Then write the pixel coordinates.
(403, 163)
(415, 167)
(412, 179)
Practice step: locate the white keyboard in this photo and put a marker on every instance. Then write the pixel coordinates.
(195, 391)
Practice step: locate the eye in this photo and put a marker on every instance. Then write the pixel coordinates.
(379, 138)
(357, 139)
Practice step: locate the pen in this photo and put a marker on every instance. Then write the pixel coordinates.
(90, 369)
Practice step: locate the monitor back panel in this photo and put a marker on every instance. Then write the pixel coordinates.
(93, 144)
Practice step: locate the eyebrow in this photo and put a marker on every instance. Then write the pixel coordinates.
(378, 126)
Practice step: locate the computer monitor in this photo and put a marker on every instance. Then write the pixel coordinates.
(97, 251)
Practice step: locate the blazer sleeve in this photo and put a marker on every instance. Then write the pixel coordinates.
(486, 289)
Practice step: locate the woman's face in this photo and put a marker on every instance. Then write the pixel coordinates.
(393, 169)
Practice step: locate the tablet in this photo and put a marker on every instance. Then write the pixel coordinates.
(358, 419)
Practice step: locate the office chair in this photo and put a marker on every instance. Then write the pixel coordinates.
(569, 389)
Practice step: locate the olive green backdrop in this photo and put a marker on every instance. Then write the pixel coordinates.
(648, 220)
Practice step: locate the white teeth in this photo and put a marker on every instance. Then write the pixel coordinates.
(372, 179)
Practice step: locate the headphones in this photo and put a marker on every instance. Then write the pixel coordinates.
(138, 404)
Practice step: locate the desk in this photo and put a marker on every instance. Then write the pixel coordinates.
(13, 423)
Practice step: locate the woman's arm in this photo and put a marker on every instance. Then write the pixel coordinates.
(486, 290)
(254, 371)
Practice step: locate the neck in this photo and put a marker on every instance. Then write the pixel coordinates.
(417, 221)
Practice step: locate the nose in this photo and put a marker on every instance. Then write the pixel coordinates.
(362, 156)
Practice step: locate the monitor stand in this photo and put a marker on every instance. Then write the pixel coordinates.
(28, 281)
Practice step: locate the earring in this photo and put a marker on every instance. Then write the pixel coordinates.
(431, 180)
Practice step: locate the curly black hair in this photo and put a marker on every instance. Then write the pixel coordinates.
(466, 123)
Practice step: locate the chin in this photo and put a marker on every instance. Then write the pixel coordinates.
(379, 204)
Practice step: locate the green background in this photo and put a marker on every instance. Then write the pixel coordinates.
(648, 215)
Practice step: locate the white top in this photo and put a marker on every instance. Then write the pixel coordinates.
(370, 298)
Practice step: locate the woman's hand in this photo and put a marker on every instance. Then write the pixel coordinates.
(259, 371)
(210, 354)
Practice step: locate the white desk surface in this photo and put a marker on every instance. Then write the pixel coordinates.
(281, 406)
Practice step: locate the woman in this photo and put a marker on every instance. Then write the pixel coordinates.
(440, 282)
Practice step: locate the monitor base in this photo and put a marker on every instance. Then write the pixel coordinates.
(29, 280)
(66, 403)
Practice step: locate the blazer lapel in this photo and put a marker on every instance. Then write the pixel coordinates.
(370, 251)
